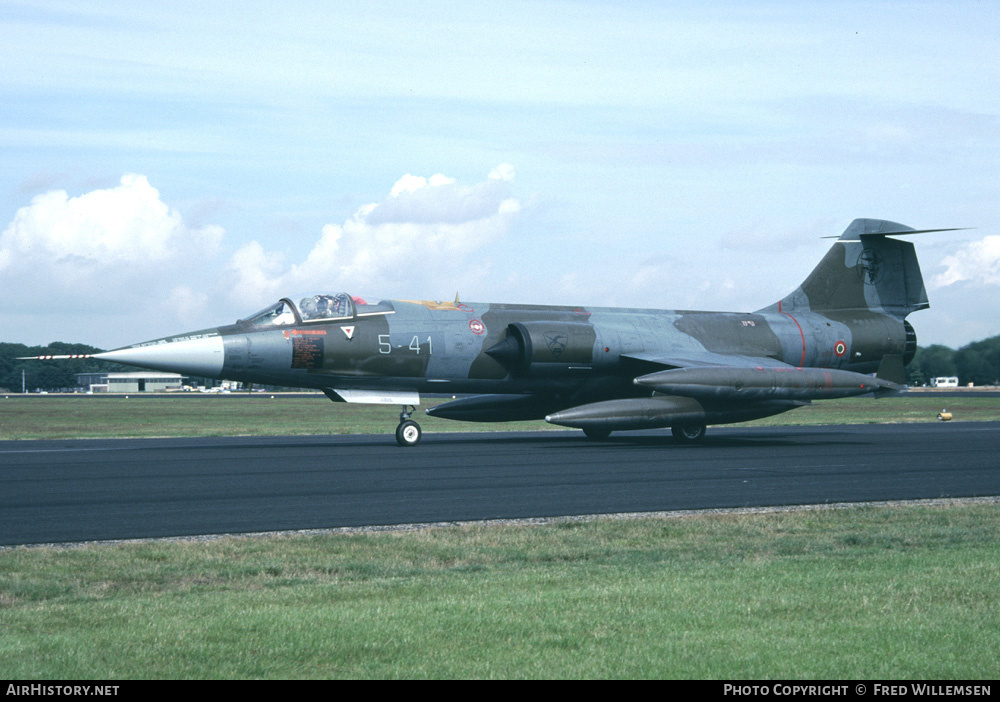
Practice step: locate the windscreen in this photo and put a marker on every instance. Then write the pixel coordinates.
(275, 315)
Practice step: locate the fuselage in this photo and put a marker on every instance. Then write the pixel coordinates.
(460, 348)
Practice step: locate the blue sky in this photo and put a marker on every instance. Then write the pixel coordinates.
(177, 166)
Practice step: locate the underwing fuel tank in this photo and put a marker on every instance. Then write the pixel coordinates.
(724, 383)
(663, 411)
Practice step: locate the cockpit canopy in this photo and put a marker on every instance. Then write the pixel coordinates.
(316, 307)
(322, 306)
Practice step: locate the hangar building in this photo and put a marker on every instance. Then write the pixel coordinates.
(139, 381)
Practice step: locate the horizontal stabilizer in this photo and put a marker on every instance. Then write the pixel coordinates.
(882, 227)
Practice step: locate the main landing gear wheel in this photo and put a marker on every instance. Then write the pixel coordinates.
(408, 432)
(688, 433)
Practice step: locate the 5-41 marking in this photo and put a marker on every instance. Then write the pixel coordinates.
(416, 345)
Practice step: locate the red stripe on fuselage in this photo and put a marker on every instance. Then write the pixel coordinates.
(801, 333)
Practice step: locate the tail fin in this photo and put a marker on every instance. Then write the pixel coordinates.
(865, 270)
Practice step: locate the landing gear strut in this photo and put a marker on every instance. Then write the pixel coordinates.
(408, 431)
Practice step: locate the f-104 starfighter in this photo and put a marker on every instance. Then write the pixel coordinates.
(841, 333)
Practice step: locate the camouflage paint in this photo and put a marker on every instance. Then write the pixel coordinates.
(593, 365)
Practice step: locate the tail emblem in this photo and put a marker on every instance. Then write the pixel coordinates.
(871, 266)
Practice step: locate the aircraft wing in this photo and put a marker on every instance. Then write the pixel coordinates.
(696, 359)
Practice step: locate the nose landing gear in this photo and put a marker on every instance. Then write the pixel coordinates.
(408, 432)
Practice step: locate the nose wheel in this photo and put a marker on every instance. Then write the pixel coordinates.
(408, 432)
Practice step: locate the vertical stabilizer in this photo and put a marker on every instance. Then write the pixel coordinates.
(865, 270)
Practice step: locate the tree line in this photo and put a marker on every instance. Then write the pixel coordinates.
(48, 375)
(977, 363)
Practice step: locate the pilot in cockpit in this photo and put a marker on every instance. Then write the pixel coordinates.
(326, 306)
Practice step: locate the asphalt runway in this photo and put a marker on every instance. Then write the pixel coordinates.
(83, 490)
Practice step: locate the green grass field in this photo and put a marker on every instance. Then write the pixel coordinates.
(90, 416)
(890, 593)
(868, 592)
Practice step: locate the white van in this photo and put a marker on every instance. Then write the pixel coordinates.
(944, 382)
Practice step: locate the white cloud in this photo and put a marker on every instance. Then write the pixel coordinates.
(117, 249)
(124, 225)
(411, 183)
(977, 263)
(504, 171)
(119, 263)
(427, 230)
(438, 200)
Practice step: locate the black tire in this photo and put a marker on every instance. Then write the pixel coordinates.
(597, 434)
(408, 433)
(688, 433)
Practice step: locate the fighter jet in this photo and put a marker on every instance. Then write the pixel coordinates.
(593, 368)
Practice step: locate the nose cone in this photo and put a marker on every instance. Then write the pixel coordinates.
(199, 354)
